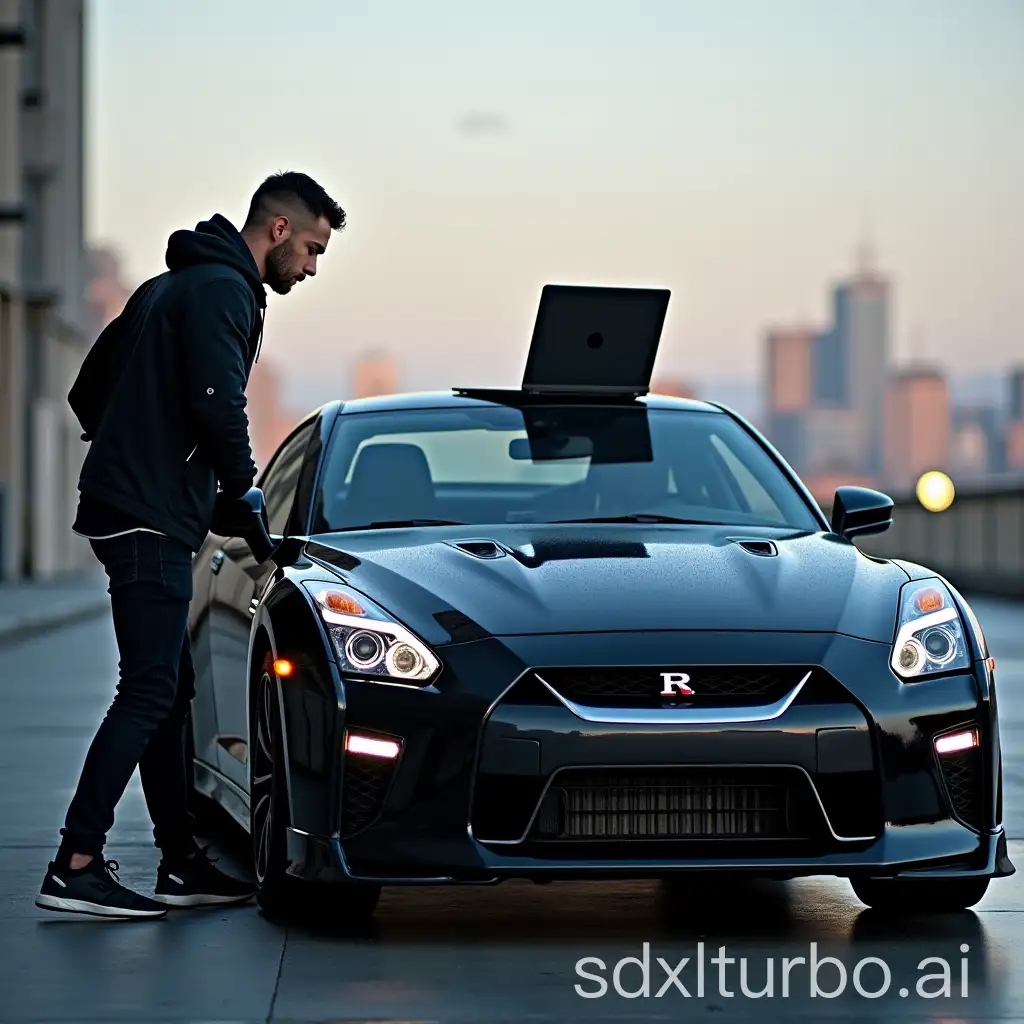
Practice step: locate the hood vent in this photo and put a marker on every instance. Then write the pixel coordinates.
(481, 548)
(764, 548)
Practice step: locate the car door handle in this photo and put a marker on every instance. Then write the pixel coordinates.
(217, 561)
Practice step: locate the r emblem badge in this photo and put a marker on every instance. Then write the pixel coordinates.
(673, 683)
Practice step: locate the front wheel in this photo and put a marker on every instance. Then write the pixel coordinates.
(279, 894)
(920, 896)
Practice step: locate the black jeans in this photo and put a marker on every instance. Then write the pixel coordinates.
(150, 591)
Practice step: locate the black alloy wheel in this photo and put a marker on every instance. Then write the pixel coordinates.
(262, 786)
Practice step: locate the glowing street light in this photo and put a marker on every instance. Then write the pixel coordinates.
(935, 491)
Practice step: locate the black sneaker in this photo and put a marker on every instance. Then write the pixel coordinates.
(94, 890)
(195, 882)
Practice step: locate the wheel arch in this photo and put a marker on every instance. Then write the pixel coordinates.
(309, 702)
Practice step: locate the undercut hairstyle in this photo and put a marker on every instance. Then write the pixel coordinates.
(293, 188)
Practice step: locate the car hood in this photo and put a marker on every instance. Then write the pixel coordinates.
(522, 580)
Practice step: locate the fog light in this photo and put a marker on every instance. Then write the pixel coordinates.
(955, 741)
(356, 744)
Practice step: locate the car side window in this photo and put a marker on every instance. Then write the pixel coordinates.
(282, 478)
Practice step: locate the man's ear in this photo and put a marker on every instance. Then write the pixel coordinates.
(280, 229)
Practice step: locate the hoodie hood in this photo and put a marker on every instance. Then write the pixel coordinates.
(216, 240)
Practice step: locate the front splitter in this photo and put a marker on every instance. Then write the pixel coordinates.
(944, 850)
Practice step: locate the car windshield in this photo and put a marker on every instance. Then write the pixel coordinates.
(488, 464)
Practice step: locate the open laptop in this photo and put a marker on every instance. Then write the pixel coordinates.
(597, 340)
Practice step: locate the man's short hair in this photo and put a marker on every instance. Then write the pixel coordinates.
(293, 188)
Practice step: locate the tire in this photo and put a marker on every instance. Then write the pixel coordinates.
(283, 896)
(920, 896)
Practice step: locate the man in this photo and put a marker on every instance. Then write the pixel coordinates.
(161, 396)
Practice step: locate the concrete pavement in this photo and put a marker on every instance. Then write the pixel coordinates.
(507, 953)
(27, 608)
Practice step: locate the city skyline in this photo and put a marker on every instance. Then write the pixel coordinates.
(839, 407)
(733, 155)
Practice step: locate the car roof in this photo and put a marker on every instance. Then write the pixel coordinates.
(495, 397)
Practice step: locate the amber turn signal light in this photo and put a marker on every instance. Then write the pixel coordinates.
(341, 603)
(930, 601)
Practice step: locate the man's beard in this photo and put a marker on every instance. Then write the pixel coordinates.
(277, 275)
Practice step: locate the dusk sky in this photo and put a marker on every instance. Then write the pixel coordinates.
(731, 150)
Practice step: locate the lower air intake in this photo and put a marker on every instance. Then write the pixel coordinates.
(364, 786)
(582, 804)
(962, 773)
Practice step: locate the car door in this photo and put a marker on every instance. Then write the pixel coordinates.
(203, 710)
(238, 582)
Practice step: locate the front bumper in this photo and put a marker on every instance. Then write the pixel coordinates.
(858, 750)
(911, 851)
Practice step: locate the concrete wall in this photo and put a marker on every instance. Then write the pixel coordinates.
(42, 283)
(12, 329)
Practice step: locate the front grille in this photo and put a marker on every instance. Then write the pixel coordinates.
(963, 777)
(583, 804)
(717, 686)
(364, 786)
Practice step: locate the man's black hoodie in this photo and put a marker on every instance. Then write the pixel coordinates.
(161, 394)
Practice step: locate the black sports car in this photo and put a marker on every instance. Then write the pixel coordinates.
(574, 633)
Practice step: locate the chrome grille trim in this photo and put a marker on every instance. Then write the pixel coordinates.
(678, 716)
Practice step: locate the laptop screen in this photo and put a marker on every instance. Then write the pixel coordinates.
(595, 339)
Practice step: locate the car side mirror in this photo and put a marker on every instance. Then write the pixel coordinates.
(860, 511)
(245, 517)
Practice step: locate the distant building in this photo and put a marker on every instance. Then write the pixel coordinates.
(825, 389)
(1015, 446)
(969, 457)
(787, 431)
(269, 422)
(833, 442)
(674, 388)
(106, 293)
(830, 379)
(977, 427)
(861, 340)
(1016, 380)
(789, 391)
(43, 315)
(823, 486)
(789, 383)
(375, 374)
(917, 426)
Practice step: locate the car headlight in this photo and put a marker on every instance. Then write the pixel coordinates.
(930, 636)
(368, 641)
